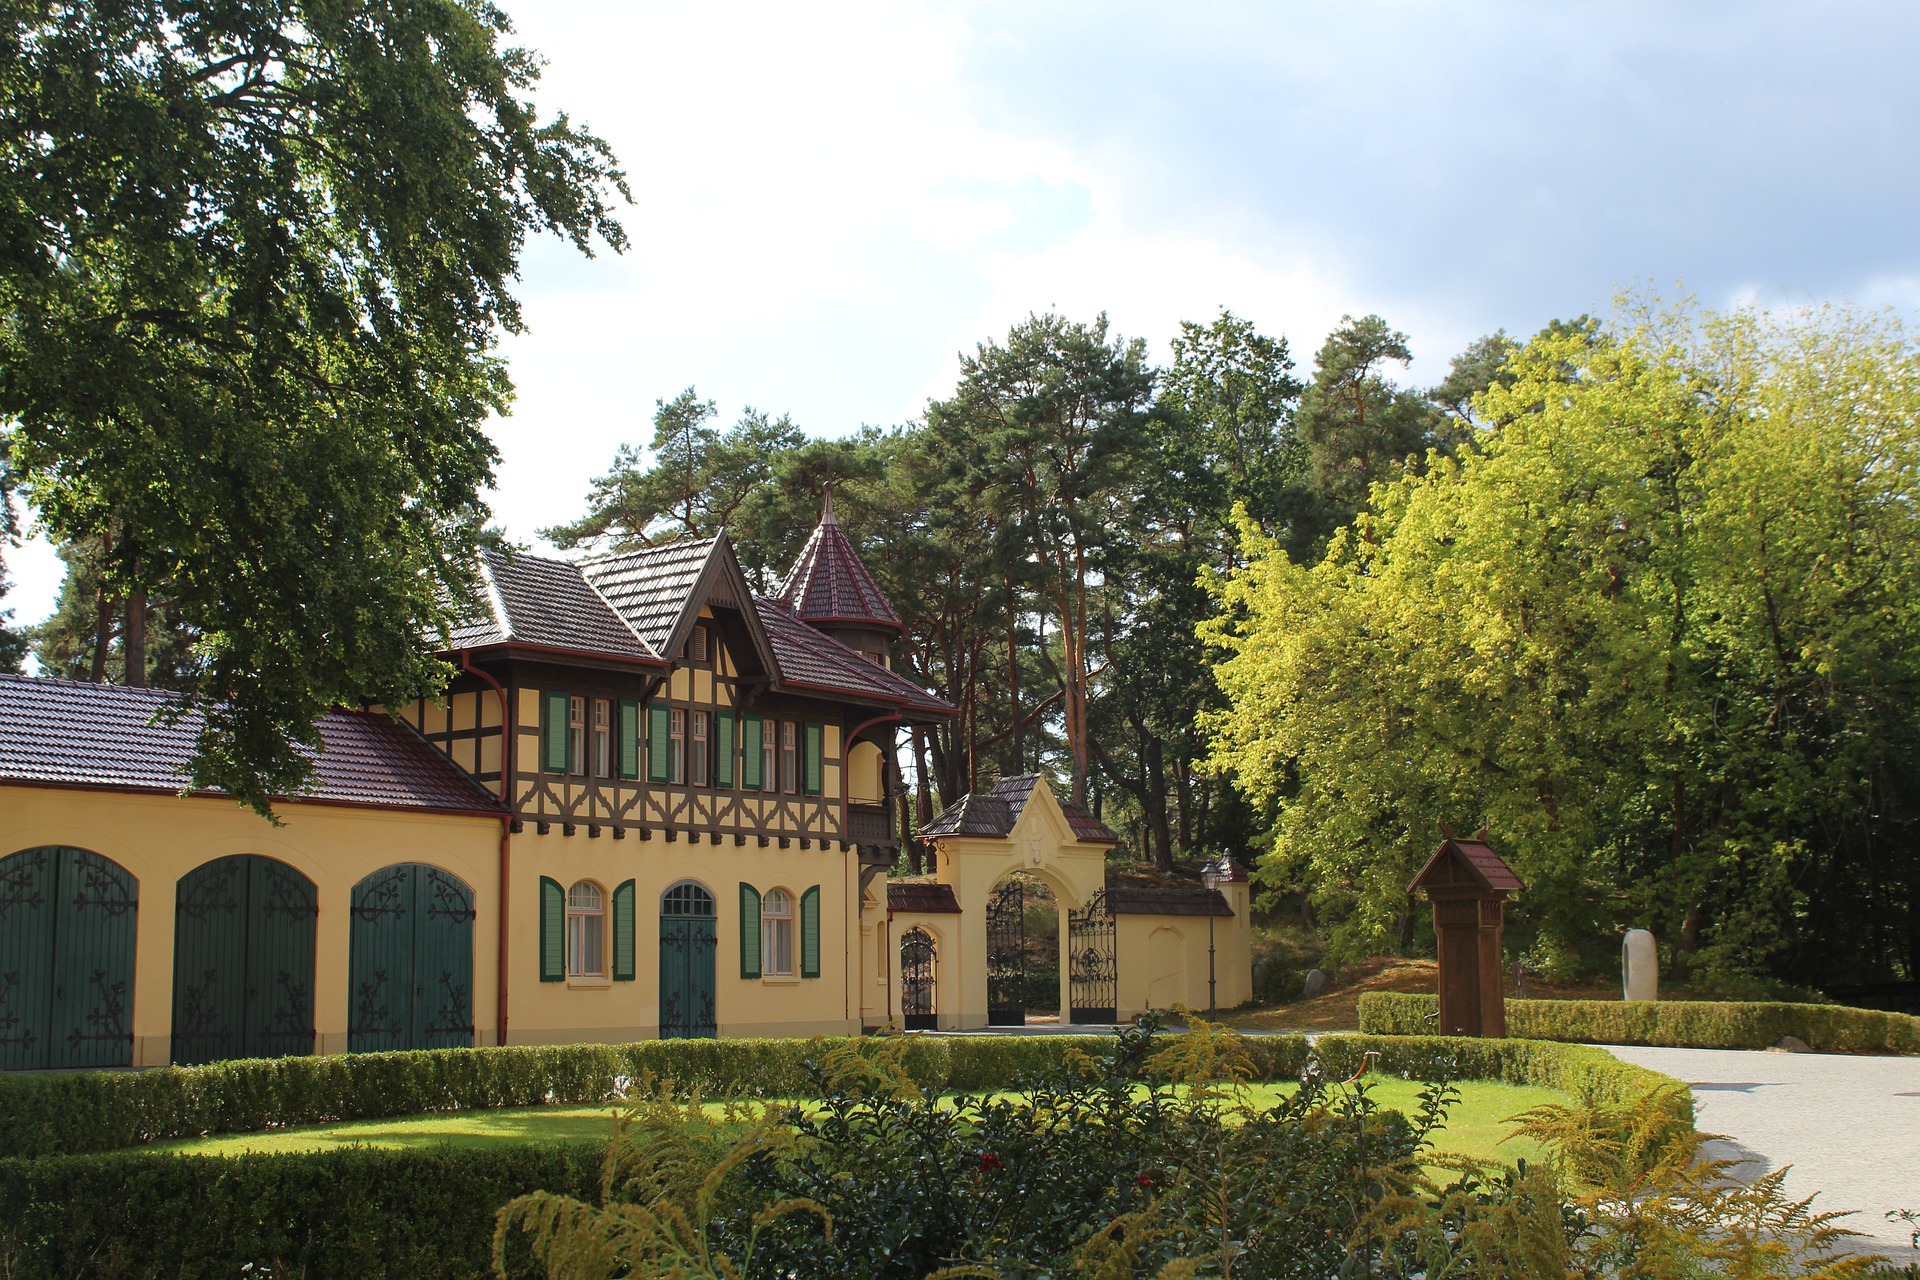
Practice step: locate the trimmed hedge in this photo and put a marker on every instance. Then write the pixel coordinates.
(422, 1214)
(428, 1213)
(1688, 1024)
(78, 1112)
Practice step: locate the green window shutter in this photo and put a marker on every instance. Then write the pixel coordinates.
(629, 746)
(751, 727)
(657, 742)
(554, 757)
(810, 933)
(722, 749)
(553, 931)
(749, 931)
(623, 933)
(813, 746)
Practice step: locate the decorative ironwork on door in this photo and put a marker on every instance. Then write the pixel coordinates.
(917, 961)
(688, 939)
(1092, 973)
(410, 975)
(1007, 955)
(66, 960)
(243, 959)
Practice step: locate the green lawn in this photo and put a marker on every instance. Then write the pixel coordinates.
(1474, 1127)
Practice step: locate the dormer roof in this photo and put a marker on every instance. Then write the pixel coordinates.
(829, 585)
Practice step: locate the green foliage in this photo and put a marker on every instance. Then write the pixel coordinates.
(1656, 628)
(100, 1111)
(254, 261)
(1694, 1024)
(66, 645)
(1140, 1161)
(421, 1215)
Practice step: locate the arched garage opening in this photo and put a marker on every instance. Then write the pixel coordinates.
(410, 972)
(67, 919)
(243, 943)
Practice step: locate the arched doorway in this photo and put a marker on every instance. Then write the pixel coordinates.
(67, 919)
(243, 952)
(688, 937)
(1023, 951)
(918, 960)
(410, 971)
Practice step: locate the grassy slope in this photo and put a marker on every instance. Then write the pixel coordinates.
(1474, 1128)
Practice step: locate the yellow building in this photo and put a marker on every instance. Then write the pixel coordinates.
(649, 804)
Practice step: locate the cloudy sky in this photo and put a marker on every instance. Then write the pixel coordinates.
(831, 201)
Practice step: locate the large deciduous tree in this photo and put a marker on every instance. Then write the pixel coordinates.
(1659, 628)
(254, 260)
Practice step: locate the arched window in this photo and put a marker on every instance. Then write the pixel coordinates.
(776, 919)
(586, 931)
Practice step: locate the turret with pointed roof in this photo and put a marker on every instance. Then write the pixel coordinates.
(831, 590)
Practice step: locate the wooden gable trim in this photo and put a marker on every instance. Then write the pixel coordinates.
(722, 582)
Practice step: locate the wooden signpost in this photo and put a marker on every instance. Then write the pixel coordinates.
(1468, 884)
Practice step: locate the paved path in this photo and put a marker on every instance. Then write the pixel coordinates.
(1849, 1126)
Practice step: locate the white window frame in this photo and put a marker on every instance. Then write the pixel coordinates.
(602, 738)
(676, 745)
(776, 933)
(577, 732)
(586, 930)
(790, 757)
(699, 736)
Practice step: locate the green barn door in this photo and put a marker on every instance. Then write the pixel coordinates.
(67, 920)
(688, 940)
(93, 962)
(27, 897)
(442, 961)
(243, 955)
(380, 961)
(411, 968)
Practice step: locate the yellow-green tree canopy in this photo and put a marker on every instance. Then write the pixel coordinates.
(1656, 625)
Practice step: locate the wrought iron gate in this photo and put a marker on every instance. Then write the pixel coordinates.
(688, 937)
(1092, 974)
(66, 960)
(917, 961)
(1007, 956)
(243, 955)
(410, 972)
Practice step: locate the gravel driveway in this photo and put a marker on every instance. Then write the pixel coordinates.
(1849, 1126)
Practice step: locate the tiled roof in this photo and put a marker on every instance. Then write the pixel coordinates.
(1134, 900)
(996, 812)
(650, 586)
(540, 601)
(812, 660)
(71, 733)
(627, 606)
(1475, 858)
(828, 583)
(927, 899)
(973, 814)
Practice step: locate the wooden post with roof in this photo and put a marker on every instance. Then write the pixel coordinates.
(1468, 883)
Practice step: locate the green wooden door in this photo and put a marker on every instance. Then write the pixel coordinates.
(688, 940)
(410, 972)
(243, 956)
(67, 922)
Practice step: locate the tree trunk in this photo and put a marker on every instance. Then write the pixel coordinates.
(133, 639)
(1013, 682)
(102, 637)
(1154, 775)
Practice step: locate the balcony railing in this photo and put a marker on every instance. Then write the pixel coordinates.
(870, 824)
